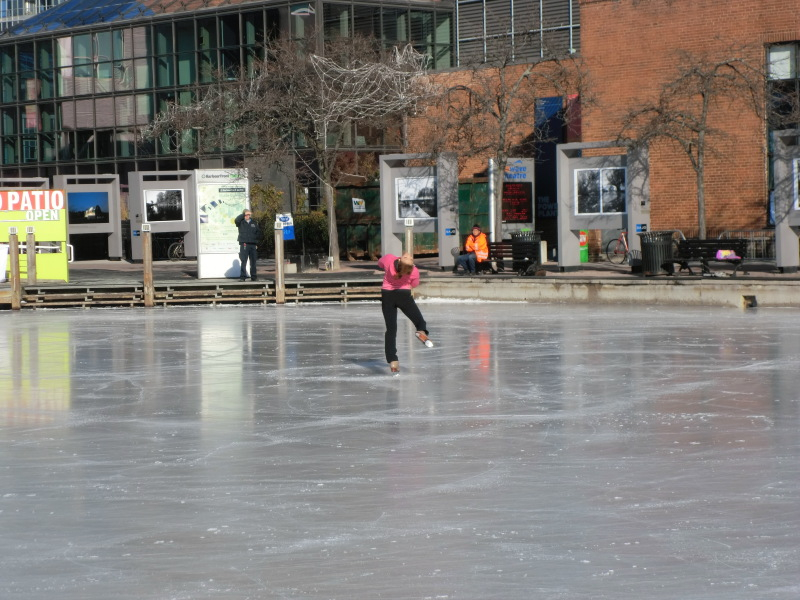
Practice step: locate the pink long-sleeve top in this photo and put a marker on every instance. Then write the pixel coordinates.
(390, 279)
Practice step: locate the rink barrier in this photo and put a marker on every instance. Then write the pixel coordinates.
(197, 292)
(739, 292)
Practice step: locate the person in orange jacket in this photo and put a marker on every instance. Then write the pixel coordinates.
(477, 251)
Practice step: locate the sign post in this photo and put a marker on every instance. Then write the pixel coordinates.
(280, 288)
(16, 282)
(410, 236)
(147, 263)
(30, 254)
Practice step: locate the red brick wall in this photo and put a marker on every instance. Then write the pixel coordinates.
(630, 47)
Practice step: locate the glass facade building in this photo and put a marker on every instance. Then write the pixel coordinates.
(77, 81)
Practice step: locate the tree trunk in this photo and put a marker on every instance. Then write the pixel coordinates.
(333, 230)
(701, 195)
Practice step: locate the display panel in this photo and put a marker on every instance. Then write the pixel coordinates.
(416, 197)
(87, 208)
(163, 205)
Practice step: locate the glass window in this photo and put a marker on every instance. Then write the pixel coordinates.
(187, 72)
(49, 118)
(84, 113)
(65, 82)
(395, 26)
(118, 43)
(277, 21)
(206, 34)
(140, 40)
(229, 31)
(30, 149)
(25, 57)
(142, 73)
(123, 75)
(68, 115)
(30, 119)
(103, 47)
(9, 121)
(104, 81)
(66, 145)
(207, 66)
(444, 29)
(84, 144)
(64, 52)
(104, 112)
(9, 150)
(125, 142)
(302, 24)
(336, 20)
(104, 143)
(29, 86)
(366, 20)
(230, 62)
(9, 84)
(49, 148)
(82, 49)
(46, 84)
(44, 55)
(124, 109)
(782, 62)
(7, 62)
(144, 109)
(164, 70)
(421, 27)
(253, 28)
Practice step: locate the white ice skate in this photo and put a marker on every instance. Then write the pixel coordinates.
(424, 339)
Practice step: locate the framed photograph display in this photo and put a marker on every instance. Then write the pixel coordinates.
(796, 203)
(88, 208)
(600, 191)
(163, 206)
(416, 197)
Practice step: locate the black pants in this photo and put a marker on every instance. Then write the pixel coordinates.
(391, 300)
(248, 251)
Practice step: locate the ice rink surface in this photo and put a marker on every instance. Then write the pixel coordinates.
(537, 452)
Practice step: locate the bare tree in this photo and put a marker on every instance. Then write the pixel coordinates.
(488, 109)
(683, 113)
(302, 102)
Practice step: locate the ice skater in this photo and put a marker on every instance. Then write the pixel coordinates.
(399, 276)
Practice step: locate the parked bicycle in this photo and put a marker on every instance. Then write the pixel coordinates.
(176, 250)
(617, 250)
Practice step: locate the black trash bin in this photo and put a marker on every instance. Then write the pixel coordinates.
(657, 253)
(525, 250)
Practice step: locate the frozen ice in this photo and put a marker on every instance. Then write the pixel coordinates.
(550, 452)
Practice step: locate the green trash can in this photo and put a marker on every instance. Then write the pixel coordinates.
(584, 245)
(657, 253)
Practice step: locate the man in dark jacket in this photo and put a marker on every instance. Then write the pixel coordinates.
(249, 237)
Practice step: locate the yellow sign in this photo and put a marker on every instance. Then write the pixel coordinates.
(45, 211)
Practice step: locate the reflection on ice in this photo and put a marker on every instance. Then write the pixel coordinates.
(536, 452)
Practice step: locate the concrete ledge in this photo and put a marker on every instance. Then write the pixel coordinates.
(695, 291)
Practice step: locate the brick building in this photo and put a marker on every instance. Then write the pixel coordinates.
(632, 47)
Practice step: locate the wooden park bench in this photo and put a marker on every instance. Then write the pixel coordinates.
(705, 251)
(501, 258)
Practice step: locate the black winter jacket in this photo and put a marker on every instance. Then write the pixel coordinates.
(249, 233)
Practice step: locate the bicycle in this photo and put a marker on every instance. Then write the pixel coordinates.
(176, 250)
(617, 250)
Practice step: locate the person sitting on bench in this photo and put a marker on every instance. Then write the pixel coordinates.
(477, 251)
